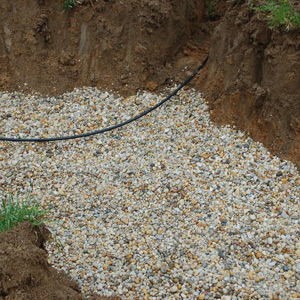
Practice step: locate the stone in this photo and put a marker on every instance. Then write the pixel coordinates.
(174, 289)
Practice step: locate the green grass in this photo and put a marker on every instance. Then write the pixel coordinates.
(280, 13)
(14, 211)
(211, 7)
(68, 4)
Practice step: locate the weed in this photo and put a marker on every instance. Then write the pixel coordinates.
(13, 211)
(280, 13)
(238, 2)
(211, 6)
(68, 4)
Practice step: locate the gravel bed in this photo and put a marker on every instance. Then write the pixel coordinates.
(168, 207)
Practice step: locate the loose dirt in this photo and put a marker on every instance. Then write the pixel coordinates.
(25, 273)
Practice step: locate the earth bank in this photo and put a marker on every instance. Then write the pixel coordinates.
(120, 45)
(252, 80)
(25, 272)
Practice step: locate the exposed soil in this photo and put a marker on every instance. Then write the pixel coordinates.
(120, 45)
(252, 80)
(25, 273)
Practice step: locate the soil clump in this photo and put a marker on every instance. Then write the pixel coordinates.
(25, 272)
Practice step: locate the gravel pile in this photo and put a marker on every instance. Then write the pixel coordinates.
(168, 207)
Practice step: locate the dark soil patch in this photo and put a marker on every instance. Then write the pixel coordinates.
(25, 273)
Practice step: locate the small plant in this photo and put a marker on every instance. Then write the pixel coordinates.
(13, 211)
(211, 7)
(280, 13)
(68, 4)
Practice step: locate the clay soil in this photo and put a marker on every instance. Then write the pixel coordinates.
(120, 45)
(251, 80)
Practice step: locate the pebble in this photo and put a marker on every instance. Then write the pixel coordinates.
(252, 217)
(285, 268)
(168, 207)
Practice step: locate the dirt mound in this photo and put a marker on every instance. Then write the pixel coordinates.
(252, 80)
(24, 271)
(123, 45)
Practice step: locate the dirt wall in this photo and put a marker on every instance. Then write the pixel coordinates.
(252, 80)
(123, 45)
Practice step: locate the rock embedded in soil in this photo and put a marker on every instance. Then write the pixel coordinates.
(169, 201)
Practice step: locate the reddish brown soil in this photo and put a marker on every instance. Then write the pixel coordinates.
(252, 80)
(25, 273)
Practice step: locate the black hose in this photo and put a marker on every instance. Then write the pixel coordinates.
(51, 139)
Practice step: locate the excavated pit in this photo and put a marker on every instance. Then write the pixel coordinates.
(252, 79)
